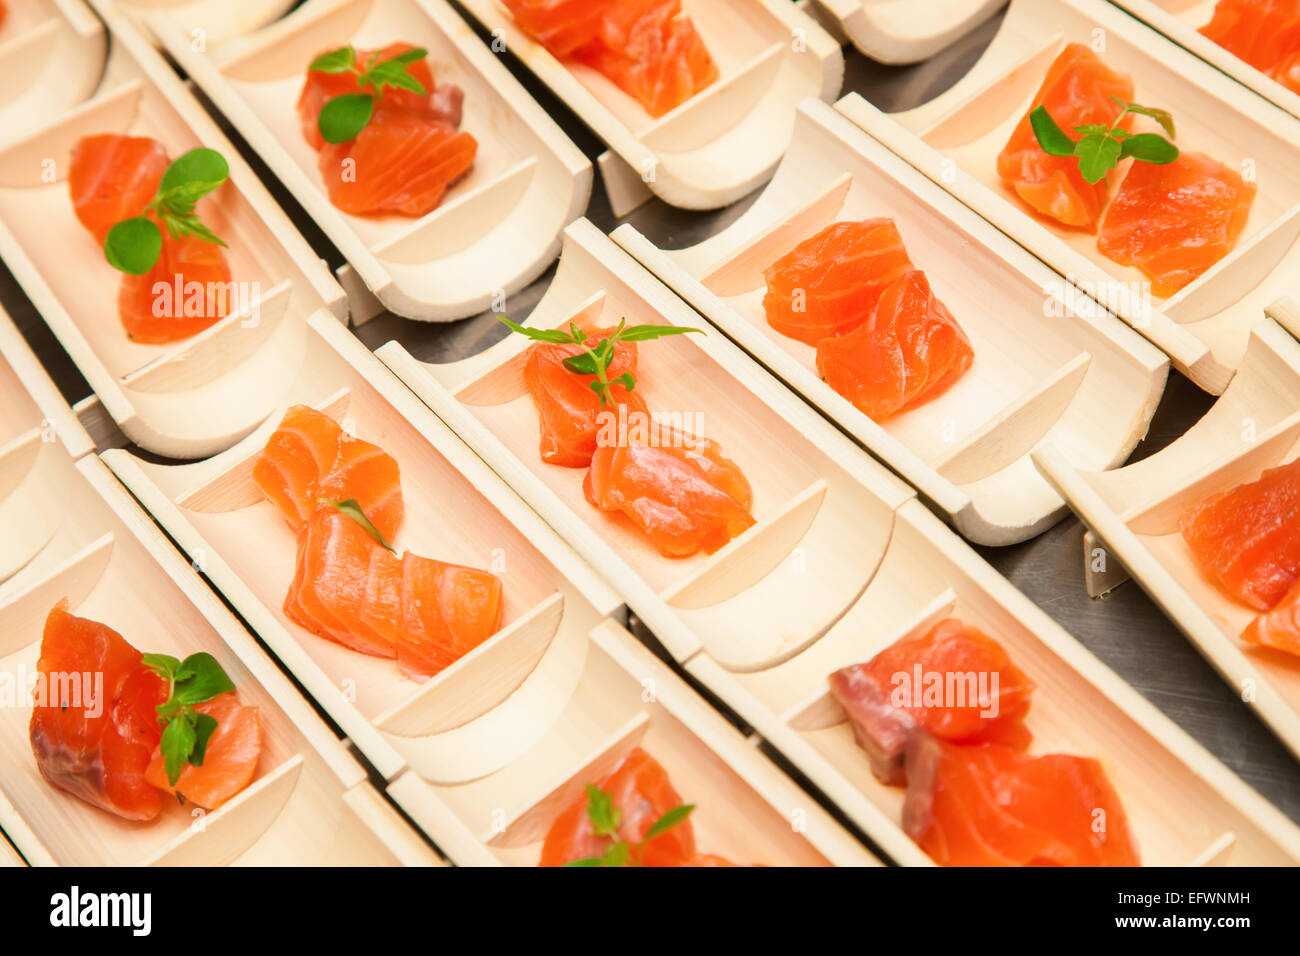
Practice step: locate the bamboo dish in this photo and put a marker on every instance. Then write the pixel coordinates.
(891, 31)
(843, 561)
(721, 143)
(955, 138)
(205, 21)
(30, 400)
(1043, 369)
(498, 228)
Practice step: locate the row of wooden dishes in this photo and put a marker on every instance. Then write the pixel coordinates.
(484, 754)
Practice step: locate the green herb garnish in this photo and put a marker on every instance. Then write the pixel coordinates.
(352, 509)
(596, 359)
(605, 820)
(344, 117)
(134, 245)
(1100, 148)
(186, 732)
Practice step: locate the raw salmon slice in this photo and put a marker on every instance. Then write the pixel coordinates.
(321, 87)
(1077, 92)
(910, 352)
(1247, 540)
(188, 290)
(1280, 627)
(570, 414)
(113, 177)
(830, 283)
(991, 806)
(953, 682)
(562, 26)
(685, 499)
(90, 738)
(309, 457)
(651, 50)
(640, 790)
(1287, 72)
(349, 589)
(1264, 33)
(230, 761)
(1176, 220)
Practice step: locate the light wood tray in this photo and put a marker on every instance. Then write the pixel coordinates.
(1047, 365)
(898, 31)
(497, 229)
(29, 399)
(205, 21)
(310, 803)
(721, 143)
(955, 140)
(843, 562)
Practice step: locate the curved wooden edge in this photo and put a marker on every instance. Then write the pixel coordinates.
(210, 21)
(60, 421)
(895, 32)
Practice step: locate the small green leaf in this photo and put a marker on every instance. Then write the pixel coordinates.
(644, 333)
(177, 744)
(204, 727)
(1051, 137)
(1163, 117)
(604, 816)
(627, 380)
(335, 61)
(552, 336)
(1149, 148)
(201, 678)
(352, 509)
(584, 363)
(1098, 155)
(164, 665)
(133, 245)
(619, 854)
(199, 172)
(589, 861)
(344, 117)
(669, 820)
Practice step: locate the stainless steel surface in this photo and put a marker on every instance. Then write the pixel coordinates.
(1124, 629)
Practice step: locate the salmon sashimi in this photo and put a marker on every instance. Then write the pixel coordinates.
(1287, 72)
(95, 738)
(830, 283)
(309, 457)
(908, 353)
(1176, 220)
(1247, 540)
(321, 87)
(188, 289)
(651, 51)
(1077, 91)
(350, 589)
(1264, 33)
(113, 177)
(562, 26)
(229, 762)
(953, 682)
(1278, 628)
(989, 805)
(682, 493)
(640, 793)
(570, 414)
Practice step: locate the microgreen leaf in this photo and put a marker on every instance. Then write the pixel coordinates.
(335, 61)
(133, 245)
(164, 665)
(1051, 137)
(205, 725)
(605, 820)
(669, 820)
(551, 336)
(344, 117)
(1101, 147)
(1149, 148)
(584, 363)
(644, 333)
(604, 816)
(588, 861)
(352, 509)
(199, 679)
(1163, 117)
(198, 172)
(1098, 155)
(196, 680)
(178, 739)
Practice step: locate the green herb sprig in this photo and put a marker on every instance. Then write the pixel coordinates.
(186, 732)
(596, 359)
(344, 117)
(352, 509)
(134, 245)
(1100, 147)
(605, 820)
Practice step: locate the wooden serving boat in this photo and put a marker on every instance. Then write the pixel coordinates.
(1133, 513)
(721, 143)
(497, 229)
(309, 803)
(1048, 365)
(54, 52)
(486, 753)
(1181, 20)
(843, 561)
(206, 21)
(955, 140)
(898, 31)
(200, 395)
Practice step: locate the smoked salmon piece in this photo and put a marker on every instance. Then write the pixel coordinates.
(188, 290)
(94, 728)
(1264, 33)
(1278, 628)
(562, 26)
(953, 682)
(349, 589)
(909, 352)
(685, 499)
(1176, 220)
(988, 805)
(830, 283)
(230, 760)
(1247, 540)
(1077, 92)
(641, 793)
(113, 177)
(571, 415)
(309, 457)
